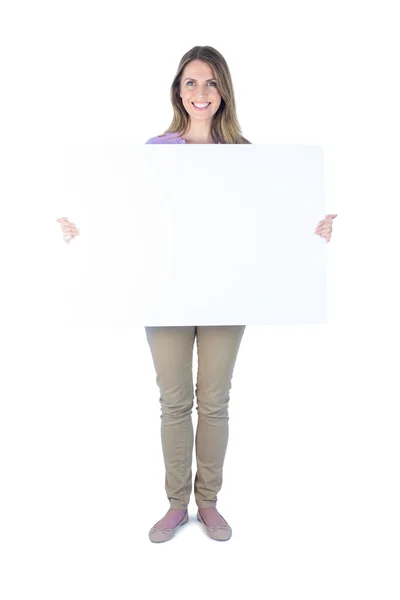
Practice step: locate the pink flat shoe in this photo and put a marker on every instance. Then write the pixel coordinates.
(163, 534)
(222, 533)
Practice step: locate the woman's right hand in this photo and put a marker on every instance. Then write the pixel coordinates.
(68, 229)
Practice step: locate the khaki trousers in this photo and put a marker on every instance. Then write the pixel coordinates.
(172, 353)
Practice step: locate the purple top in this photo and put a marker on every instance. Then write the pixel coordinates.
(169, 138)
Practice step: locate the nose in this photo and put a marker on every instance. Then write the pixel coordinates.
(200, 94)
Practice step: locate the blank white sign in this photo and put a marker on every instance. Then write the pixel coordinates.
(180, 234)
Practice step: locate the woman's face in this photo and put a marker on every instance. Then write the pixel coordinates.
(198, 86)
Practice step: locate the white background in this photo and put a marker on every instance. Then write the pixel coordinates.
(311, 486)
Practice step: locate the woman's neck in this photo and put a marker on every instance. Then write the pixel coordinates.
(192, 141)
(198, 136)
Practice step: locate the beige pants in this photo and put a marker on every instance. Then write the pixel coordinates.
(172, 352)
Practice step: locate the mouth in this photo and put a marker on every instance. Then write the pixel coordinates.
(201, 109)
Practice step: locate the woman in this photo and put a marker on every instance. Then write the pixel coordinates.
(204, 113)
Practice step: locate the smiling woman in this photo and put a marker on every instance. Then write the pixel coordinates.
(204, 113)
(203, 102)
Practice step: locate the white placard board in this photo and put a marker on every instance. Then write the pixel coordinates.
(195, 234)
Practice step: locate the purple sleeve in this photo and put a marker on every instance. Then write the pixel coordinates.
(155, 140)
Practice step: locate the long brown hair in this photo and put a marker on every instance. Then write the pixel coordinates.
(225, 126)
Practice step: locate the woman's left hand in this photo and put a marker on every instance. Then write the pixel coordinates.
(324, 227)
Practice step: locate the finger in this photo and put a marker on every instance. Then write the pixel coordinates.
(327, 219)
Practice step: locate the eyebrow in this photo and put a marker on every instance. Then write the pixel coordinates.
(192, 79)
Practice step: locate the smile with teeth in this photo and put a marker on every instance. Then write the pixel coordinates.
(201, 105)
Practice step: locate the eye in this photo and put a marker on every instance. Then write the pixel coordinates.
(210, 82)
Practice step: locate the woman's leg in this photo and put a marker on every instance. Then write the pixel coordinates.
(217, 349)
(172, 352)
